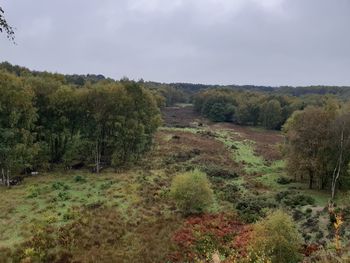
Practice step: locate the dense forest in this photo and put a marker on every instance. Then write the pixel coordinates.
(92, 167)
(46, 120)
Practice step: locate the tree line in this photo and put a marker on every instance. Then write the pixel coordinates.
(252, 108)
(46, 121)
(190, 89)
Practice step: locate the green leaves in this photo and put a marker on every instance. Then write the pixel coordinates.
(42, 119)
(191, 192)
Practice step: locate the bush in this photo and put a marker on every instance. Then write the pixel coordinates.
(191, 192)
(293, 199)
(231, 192)
(63, 196)
(79, 179)
(278, 237)
(284, 180)
(60, 186)
(252, 208)
(34, 191)
(217, 171)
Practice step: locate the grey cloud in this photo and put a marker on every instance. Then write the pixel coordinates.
(269, 42)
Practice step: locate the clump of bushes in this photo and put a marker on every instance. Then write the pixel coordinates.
(79, 179)
(252, 208)
(294, 199)
(63, 196)
(284, 180)
(191, 192)
(277, 237)
(34, 191)
(60, 186)
(231, 192)
(218, 171)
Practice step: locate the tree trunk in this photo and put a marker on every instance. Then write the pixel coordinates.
(338, 167)
(8, 178)
(3, 176)
(311, 179)
(97, 157)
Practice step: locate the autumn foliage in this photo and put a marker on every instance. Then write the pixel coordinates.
(201, 236)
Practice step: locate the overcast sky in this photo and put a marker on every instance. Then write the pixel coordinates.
(262, 42)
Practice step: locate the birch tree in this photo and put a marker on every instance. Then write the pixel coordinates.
(17, 116)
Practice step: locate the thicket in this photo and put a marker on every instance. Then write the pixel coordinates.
(46, 121)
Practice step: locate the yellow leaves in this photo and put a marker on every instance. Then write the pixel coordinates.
(339, 221)
(337, 224)
(29, 252)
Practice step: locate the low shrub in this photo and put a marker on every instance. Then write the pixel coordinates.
(60, 186)
(34, 191)
(191, 192)
(283, 180)
(277, 236)
(63, 196)
(252, 208)
(231, 192)
(218, 171)
(294, 199)
(298, 215)
(79, 179)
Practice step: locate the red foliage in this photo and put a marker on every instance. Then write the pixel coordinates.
(224, 229)
(310, 249)
(241, 241)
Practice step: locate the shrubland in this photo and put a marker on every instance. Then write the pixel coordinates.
(191, 191)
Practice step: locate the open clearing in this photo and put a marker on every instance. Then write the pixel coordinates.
(136, 201)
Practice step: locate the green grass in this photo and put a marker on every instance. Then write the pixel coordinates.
(183, 105)
(37, 199)
(243, 152)
(187, 129)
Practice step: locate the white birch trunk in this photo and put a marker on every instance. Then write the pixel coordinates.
(337, 169)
